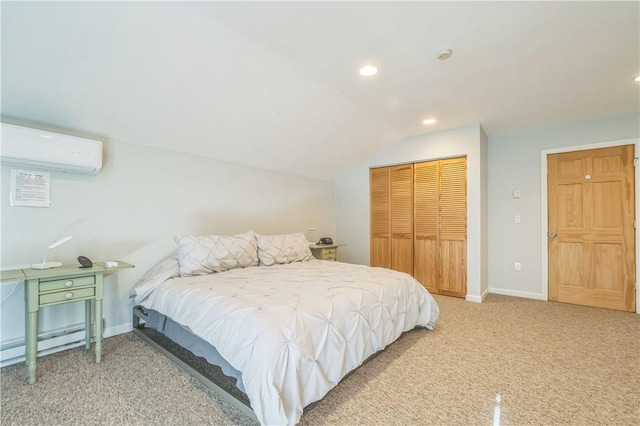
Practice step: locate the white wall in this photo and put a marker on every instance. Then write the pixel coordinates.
(484, 208)
(514, 163)
(132, 209)
(352, 196)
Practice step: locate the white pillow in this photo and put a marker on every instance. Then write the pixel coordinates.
(161, 272)
(205, 254)
(285, 248)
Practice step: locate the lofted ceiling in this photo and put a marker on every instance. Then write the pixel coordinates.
(276, 85)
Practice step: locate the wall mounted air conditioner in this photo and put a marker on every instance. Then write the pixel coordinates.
(47, 150)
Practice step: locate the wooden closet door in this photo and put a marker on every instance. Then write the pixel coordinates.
(426, 221)
(402, 218)
(380, 250)
(453, 227)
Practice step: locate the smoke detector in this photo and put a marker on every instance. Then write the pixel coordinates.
(444, 54)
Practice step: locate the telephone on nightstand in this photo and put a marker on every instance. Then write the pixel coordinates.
(325, 241)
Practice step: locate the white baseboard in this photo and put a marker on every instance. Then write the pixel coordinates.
(477, 299)
(13, 352)
(516, 293)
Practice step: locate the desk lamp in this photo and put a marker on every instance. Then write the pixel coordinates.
(47, 265)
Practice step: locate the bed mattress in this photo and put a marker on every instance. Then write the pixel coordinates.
(293, 331)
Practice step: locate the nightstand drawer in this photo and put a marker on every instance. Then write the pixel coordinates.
(68, 283)
(67, 296)
(329, 254)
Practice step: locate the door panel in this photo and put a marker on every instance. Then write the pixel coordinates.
(402, 253)
(402, 218)
(427, 217)
(454, 268)
(570, 206)
(606, 209)
(453, 226)
(426, 265)
(380, 250)
(440, 189)
(591, 208)
(605, 276)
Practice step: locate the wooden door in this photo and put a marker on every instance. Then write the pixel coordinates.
(453, 226)
(427, 224)
(380, 250)
(591, 227)
(440, 248)
(402, 218)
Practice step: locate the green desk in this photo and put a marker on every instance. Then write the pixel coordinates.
(68, 283)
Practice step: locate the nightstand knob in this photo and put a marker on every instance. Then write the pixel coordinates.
(68, 283)
(69, 295)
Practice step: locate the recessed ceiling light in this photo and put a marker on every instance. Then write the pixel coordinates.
(429, 121)
(368, 70)
(444, 54)
(637, 78)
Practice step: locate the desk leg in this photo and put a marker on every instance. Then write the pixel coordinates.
(98, 326)
(87, 324)
(31, 343)
(31, 327)
(98, 331)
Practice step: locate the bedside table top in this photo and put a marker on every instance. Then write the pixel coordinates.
(322, 246)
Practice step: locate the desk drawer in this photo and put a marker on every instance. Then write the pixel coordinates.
(68, 283)
(67, 296)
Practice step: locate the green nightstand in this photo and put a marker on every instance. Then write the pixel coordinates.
(325, 251)
(46, 287)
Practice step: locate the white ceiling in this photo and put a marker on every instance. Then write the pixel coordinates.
(276, 85)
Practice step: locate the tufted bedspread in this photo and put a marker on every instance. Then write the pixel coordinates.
(295, 330)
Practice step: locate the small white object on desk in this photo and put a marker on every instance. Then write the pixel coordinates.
(110, 264)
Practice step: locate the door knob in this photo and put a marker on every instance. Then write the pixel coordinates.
(552, 234)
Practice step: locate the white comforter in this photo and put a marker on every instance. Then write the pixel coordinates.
(295, 330)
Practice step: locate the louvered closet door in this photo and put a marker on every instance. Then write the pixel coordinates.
(453, 227)
(427, 212)
(402, 218)
(380, 251)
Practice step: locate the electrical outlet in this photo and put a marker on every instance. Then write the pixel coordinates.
(517, 266)
(312, 229)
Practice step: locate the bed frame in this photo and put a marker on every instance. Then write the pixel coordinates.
(209, 375)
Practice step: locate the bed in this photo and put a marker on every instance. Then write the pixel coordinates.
(287, 327)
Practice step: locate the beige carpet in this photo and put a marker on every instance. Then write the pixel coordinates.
(548, 363)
